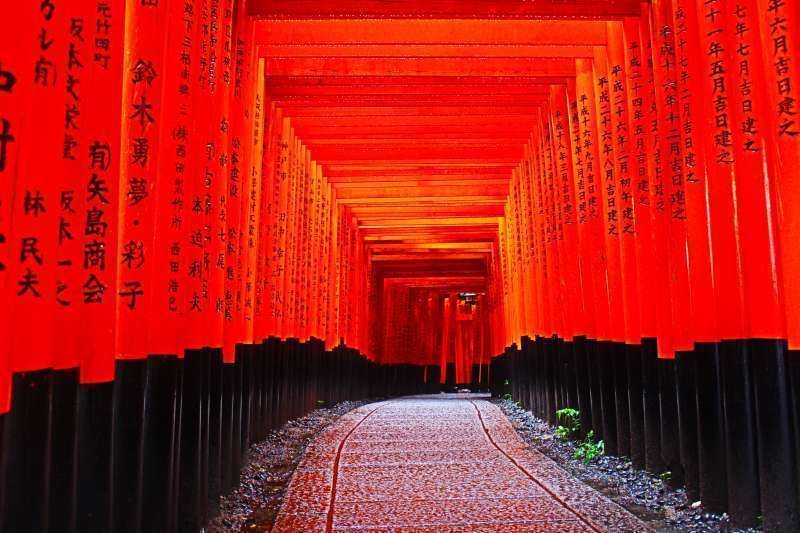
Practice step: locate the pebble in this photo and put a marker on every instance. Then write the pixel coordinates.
(670, 513)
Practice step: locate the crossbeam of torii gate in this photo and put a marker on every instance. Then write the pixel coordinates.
(205, 202)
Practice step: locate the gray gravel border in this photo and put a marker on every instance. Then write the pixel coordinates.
(254, 504)
(662, 507)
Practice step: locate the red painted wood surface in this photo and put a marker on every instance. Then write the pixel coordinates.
(347, 171)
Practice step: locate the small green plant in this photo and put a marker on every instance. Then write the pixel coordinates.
(570, 427)
(570, 423)
(666, 477)
(509, 398)
(589, 450)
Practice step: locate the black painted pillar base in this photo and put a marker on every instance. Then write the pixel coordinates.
(3, 464)
(206, 434)
(744, 504)
(619, 361)
(652, 408)
(582, 384)
(177, 453)
(524, 374)
(245, 357)
(27, 449)
(670, 429)
(433, 379)
(268, 363)
(711, 432)
(776, 458)
(514, 374)
(64, 458)
(635, 404)
(606, 372)
(283, 388)
(130, 388)
(548, 366)
(215, 376)
(544, 404)
(539, 369)
(559, 374)
(482, 377)
(238, 418)
(303, 382)
(570, 373)
(551, 377)
(499, 376)
(190, 515)
(532, 354)
(291, 357)
(96, 422)
(303, 378)
(793, 371)
(160, 468)
(229, 392)
(269, 353)
(594, 363)
(450, 382)
(253, 364)
(317, 349)
(687, 422)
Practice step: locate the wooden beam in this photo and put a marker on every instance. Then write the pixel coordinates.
(428, 246)
(400, 173)
(476, 235)
(428, 138)
(411, 100)
(350, 84)
(370, 212)
(421, 152)
(427, 66)
(510, 121)
(366, 112)
(456, 51)
(409, 280)
(415, 183)
(363, 29)
(426, 199)
(420, 167)
(431, 222)
(396, 257)
(432, 234)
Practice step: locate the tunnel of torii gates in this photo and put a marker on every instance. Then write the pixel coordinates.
(215, 214)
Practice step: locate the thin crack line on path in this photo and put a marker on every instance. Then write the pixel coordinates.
(329, 522)
(529, 475)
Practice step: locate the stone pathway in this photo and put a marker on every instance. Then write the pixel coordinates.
(438, 463)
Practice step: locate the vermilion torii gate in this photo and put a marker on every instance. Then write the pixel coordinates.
(214, 213)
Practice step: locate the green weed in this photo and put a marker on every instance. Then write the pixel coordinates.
(589, 450)
(571, 423)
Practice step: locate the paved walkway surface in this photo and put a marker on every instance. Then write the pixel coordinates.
(436, 463)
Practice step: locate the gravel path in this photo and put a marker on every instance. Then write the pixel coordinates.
(662, 507)
(444, 463)
(255, 504)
